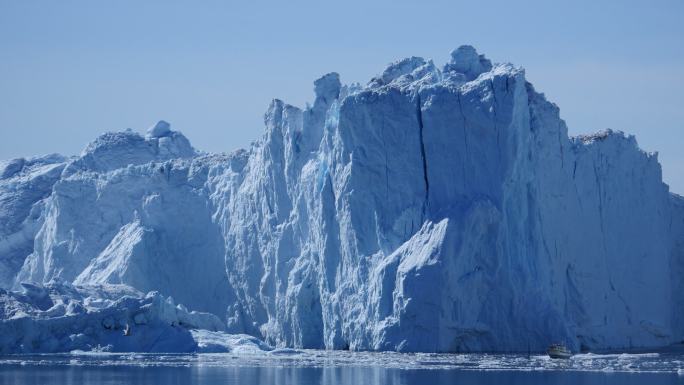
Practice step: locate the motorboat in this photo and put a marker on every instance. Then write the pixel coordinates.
(559, 351)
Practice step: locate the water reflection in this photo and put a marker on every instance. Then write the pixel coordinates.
(339, 367)
(111, 375)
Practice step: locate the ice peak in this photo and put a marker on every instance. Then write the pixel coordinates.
(327, 87)
(114, 150)
(161, 129)
(401, 68)
(467, 61)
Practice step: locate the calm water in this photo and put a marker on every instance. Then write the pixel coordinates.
(320, 367)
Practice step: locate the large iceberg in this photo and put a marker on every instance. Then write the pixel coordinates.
(438, 210)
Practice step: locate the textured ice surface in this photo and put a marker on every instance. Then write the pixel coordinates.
(429, 210)
(110, 318)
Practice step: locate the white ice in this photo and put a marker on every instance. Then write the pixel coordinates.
(433, 209)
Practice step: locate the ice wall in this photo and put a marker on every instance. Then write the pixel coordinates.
(433, 209)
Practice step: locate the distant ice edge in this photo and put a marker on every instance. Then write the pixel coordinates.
(433, 209)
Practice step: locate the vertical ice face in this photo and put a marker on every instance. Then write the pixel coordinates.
(430, 210)
(24, 183)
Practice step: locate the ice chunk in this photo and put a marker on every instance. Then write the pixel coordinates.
(151, 321)
(12, 167)
(467, 61)
(328, 86)
(161, 129)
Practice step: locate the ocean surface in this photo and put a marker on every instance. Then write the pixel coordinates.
(288, 366)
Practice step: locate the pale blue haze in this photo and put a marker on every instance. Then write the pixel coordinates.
(70, 70)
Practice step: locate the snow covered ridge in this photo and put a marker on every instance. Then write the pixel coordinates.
(433, 209)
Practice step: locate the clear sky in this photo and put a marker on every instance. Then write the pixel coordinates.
(70, 70)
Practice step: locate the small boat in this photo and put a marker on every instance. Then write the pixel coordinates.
(558, 351)
(127, 330)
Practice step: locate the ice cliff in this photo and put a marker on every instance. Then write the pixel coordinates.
(433, 209)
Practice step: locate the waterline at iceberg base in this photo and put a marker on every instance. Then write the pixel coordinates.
(431, 210)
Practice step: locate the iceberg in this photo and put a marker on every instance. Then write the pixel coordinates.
(434, 209)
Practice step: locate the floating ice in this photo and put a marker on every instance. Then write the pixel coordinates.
(666, 364)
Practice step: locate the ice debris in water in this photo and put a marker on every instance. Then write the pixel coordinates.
(244, 354)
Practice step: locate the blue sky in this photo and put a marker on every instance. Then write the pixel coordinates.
(70, 70)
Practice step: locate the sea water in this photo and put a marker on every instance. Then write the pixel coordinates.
(288, 366)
